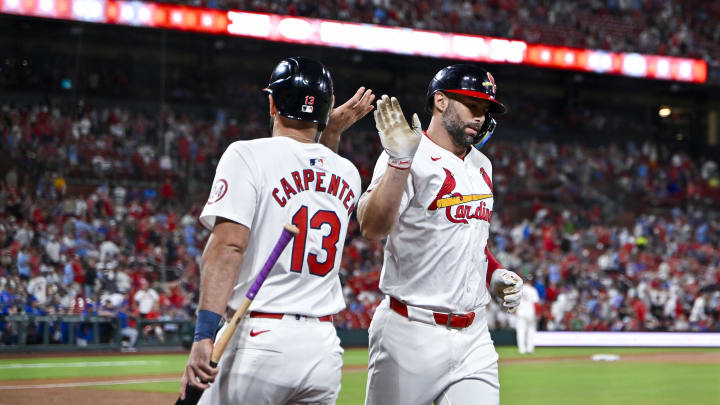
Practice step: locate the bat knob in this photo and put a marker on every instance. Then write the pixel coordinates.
(192, 396)
(292, 229)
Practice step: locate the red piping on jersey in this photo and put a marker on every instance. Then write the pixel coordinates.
(493, 265)
(487, 179)
(431, 140)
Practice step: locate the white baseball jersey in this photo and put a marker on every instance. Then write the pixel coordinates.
(266, 183)
(435, 254)
(530, 297)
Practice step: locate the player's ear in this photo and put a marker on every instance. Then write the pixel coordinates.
(441, 101)
(333, 103)
(273, 108)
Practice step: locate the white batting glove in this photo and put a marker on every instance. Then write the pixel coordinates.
(397, 137)
(507, 285)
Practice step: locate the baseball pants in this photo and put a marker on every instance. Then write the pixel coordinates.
(525, 334)
(415, 363)
(279, 361)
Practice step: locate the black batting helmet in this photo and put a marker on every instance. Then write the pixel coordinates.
(469, 80)
(302, 90)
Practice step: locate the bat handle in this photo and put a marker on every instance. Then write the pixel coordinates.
(192, 396)
(288, 232)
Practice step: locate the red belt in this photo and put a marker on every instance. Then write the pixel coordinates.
(256, 314)
(451, 320)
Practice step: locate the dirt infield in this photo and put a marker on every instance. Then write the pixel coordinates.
(79, 391)
(90, 354)
(64, 396)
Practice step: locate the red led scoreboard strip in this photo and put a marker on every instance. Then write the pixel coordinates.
(133, 13)
(367, 37)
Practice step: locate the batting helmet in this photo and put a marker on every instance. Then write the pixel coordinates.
(469, 80)
(302, 90)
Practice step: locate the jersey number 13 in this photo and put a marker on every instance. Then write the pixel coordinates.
(329, 242)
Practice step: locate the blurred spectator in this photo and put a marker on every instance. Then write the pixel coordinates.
(146, 299)
(619, 237)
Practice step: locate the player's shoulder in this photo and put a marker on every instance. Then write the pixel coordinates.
(480, 158)
(345, 163)
(346, 167)
(251, 144)
(426, 145)
(252, 150)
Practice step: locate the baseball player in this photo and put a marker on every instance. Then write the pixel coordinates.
(432, 197)
(526, 321)
(287, 350)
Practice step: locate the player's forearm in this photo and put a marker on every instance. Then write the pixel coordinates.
(378, 212)
(218, 272)
(331, 139)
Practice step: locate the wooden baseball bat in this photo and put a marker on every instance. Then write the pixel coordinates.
(192, 394)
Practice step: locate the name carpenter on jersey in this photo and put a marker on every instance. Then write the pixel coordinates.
(313, 180)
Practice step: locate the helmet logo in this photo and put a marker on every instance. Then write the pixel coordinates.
(308, 107)
(490, 82)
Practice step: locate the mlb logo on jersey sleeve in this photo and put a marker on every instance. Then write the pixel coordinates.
(317, 162)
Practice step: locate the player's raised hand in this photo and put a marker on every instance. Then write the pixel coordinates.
(398, 138)
(344, 116)
(198, 372)
(507, 285)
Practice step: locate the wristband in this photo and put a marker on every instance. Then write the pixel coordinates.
(401, 164)
(207, 324)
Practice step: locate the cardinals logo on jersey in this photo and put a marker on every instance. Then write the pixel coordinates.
(447, 199)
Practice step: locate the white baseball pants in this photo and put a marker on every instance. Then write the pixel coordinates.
(278, 362)
(415, 363)
(525, 329)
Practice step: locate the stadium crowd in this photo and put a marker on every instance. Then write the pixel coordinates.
(97, 216)
(685, 28)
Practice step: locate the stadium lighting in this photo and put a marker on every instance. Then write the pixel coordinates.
(295, 28)
(370, 37)
(664, 112)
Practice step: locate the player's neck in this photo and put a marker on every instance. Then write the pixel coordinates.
(300, 135)
(438, 134)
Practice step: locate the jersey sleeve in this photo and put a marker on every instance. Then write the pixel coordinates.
(234, 191)
(493, 265)
(380, 169)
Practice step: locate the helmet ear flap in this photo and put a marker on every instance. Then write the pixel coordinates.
(485, 132)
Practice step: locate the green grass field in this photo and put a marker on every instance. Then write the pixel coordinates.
(552, 382)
